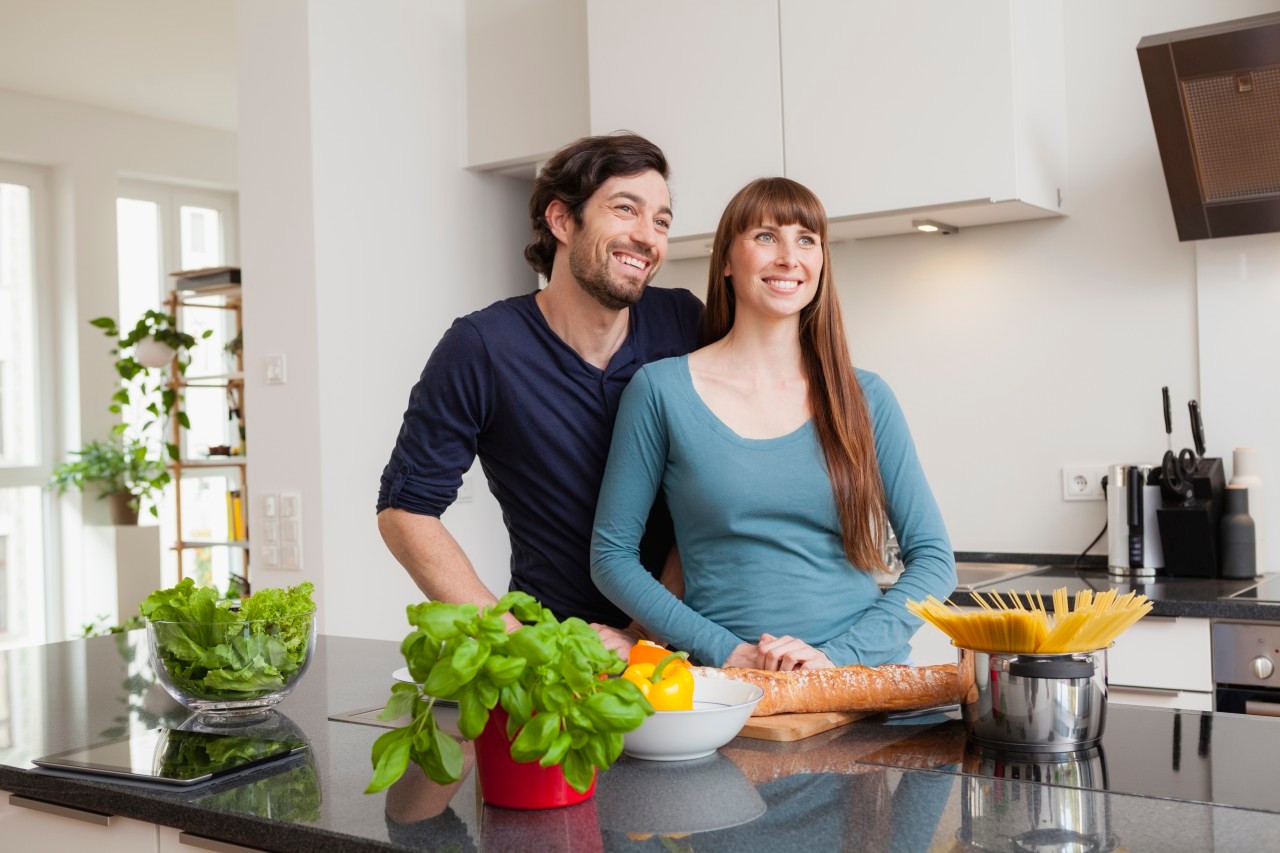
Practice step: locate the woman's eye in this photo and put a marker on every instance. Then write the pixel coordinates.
(764, 237)
(808, 241)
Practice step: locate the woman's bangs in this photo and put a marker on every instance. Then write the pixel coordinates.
(781, 201)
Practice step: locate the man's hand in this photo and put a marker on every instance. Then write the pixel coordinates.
(619, 640)
(746, 655)
(787, 653)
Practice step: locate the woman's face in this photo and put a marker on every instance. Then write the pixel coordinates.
(775, 269)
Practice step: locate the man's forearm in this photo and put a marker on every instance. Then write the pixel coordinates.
(432, 557)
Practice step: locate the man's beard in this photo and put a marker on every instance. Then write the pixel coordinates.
(598, 281)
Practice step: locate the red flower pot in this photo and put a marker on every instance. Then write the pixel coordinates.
(508, 783)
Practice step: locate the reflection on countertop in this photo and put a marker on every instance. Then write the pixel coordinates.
(878, 784)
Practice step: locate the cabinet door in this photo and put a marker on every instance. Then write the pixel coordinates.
(894, 107)
(897, 105)
(176, 841)
(1163, 653)
(1188, 700)
(25, 825)
(701, 80)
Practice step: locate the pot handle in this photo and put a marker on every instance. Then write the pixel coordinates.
(1050, 666)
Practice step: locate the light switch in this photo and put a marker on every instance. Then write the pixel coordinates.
(290, 505)
(290, 557)
(271, 530)
(271, 556)
(289, 531)
(275, 369)
(270, 505)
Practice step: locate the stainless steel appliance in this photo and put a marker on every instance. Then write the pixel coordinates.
(1133, 532)
(1246, 657)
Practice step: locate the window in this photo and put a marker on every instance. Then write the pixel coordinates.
(163, 229)
(25, 421)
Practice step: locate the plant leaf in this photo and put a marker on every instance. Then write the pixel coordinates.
(390, 758)
(578, 771)
(472, 714)
(559, 747)
(468, 657)
(503, 670)
(535, 738)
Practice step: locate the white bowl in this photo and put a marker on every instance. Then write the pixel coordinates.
(720, 709)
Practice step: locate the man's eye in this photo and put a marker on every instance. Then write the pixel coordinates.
(664, 224)
(626, 208)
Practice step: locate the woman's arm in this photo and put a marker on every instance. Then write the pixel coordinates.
(637, 459)
(882, 630)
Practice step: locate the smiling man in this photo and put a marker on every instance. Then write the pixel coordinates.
(531, 386)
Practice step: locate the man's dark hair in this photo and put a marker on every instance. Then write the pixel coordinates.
(573, 175)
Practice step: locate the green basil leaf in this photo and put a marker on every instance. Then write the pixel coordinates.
(518, 704)
(442, 682)
(401, 704)
(535, 643)
(596, 751)
(535, 738)
(559, 747)
(467, 658)
(486, 692)
(390, 760)
(472, 713)
(450, 752)
(613, 748)
(556, 697)
(578, 772)
(580, 720)
(524, 606)
(611, 713)
(492, 629)
(503, 670)
(576, 672)
(438, 618)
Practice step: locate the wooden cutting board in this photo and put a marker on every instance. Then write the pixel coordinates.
(788, 727)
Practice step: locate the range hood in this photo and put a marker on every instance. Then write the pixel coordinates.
(1214, 94)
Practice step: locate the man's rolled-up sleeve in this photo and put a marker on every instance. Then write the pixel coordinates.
(447, 413)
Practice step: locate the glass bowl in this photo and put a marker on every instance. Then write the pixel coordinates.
(232, 668)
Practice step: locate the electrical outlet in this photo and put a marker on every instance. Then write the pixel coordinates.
(1083, 482)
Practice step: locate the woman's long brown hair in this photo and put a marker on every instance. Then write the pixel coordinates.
(839, 407)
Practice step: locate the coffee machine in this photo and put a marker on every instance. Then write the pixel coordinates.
(1134, 546)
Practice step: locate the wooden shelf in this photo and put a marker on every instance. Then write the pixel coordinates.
(188, 544)
(212, 380)
(219, 462)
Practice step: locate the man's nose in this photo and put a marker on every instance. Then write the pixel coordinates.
(645, 232)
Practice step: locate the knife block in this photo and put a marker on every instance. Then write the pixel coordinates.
(1189, 529)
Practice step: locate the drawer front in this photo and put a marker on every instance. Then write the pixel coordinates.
(1186, 700)
(34, 825)
(1172, 654)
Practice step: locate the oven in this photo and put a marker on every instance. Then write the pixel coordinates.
(1245, 660)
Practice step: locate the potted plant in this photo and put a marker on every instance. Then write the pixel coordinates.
(121, 470)
(154, 342)
(537, 702)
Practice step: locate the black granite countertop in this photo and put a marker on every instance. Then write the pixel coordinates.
(1161, 780)
(1203, 598)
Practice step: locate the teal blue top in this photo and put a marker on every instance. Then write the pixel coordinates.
(757, 528)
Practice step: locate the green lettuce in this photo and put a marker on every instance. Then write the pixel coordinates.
(212, 649)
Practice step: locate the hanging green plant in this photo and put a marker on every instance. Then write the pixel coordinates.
(153, 342)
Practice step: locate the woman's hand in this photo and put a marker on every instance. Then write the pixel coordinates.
(787, 653)
(745, 655)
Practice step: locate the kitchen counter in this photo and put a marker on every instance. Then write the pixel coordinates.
(1166, 780)
(1203, 598)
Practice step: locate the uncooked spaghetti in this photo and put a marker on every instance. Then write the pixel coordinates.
(1091, 622)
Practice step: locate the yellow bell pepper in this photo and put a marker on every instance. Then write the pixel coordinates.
(668, 685)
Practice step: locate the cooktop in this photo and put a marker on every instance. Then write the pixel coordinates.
(1265, 591)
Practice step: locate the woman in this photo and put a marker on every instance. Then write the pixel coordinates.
(780, 464)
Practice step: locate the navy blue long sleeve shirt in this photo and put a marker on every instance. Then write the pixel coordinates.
(503, 386)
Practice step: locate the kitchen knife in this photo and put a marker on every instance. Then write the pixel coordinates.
(1197, 427)
(1168, 417)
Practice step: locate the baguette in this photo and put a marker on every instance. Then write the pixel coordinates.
(892, 687)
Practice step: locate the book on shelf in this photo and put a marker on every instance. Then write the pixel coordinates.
(208, 277)
(236, 523)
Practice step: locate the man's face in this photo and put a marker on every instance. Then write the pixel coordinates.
(622, 240)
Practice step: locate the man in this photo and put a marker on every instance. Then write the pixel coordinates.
(531, 385)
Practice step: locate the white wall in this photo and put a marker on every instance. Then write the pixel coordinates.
(353, 133)
(1017, 348)
(86, 151)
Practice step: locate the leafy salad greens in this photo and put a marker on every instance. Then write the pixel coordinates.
(212, 650)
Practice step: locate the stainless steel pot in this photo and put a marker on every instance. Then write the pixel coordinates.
(1037, 703)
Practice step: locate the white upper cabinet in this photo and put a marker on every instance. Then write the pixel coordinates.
(700, 79)
(526, 80)
(931, 109)
(888, 111)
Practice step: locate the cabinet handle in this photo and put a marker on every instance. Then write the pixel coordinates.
(96, 818)
(1154, 691)
(1261, 709)
(213, 844)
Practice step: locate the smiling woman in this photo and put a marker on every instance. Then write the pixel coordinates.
(779, 462)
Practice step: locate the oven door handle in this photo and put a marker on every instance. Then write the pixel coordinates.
(1258, 708)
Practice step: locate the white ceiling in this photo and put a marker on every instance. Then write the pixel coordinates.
(168, 59)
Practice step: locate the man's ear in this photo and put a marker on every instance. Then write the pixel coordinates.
(559, 219)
